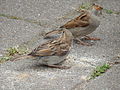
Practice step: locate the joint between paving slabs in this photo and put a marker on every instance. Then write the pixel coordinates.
(84, 83)
(23, 19)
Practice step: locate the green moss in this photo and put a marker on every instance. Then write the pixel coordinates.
(3, 15)
(117, 13)
(12, 51)
(19, 18)
(99, 70)
(17, 50)
(4, 58)
(14, 17)
(10, 17)
(85, 6)
(108, 11)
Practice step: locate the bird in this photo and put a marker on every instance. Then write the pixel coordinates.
(82, 25)
(54, 51)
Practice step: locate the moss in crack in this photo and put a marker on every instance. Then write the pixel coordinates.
(108, 11)
(85, 6)
(5, 58)
(19, 18)
(10, 17)
(12, 51)
(17, 50)
(99, 70)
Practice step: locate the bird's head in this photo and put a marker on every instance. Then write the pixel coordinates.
(96, 9)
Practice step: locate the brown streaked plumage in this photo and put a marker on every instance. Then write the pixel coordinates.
(80, 21)
(97, 7)
(82, 25)
(54, 51)
(57, 47)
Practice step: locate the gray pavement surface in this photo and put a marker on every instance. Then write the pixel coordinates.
(28, 74)
(109, 81)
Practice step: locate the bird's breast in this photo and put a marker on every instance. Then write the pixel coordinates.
(51, 60)
(82, 31)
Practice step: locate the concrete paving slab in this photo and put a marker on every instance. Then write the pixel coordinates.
(28, 74)
(16, 32)
(109, 81)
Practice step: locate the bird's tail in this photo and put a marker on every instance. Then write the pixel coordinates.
(21, 57)
(51, 33)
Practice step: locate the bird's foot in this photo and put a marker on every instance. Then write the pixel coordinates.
(91, 38)
(58, 66)
(83, 43)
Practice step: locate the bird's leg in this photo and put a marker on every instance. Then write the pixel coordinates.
(91, 38)
(58, 66)
(82, 43)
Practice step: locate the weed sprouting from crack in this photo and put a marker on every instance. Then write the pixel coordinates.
(99, 70)
(5, 58)
(16, 50)
(108, 11)
(10, 17)
(87, 6)
(12, 51)
(19, 18)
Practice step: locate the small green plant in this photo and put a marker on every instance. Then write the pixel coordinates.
(3, 15)
(12, 51)
(19, 18)
(4, 58)
(10, 17)
(99, 70)
(117, 13)
(108, 11)
(14, 17)
(85, 6)
(16, 50)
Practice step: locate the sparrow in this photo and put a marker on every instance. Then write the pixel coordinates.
(54, 51)
(84, 24)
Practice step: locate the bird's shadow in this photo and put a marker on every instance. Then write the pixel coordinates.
(36, 67)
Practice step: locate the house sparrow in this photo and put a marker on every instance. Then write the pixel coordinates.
(54, 51)
(82, 25)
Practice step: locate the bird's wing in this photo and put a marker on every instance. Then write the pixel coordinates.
(53, 47)
(42, 50)
(80, 21)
